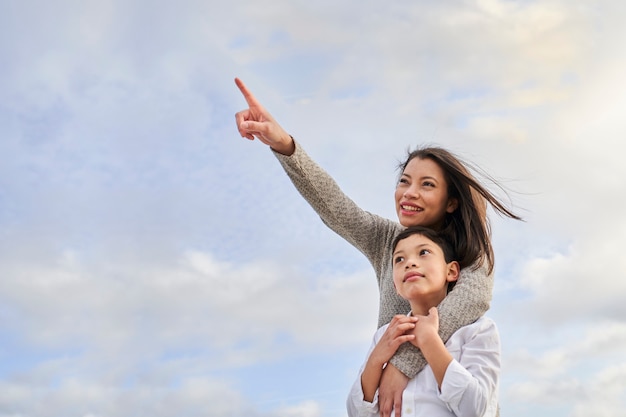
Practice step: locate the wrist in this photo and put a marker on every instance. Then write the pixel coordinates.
(376, 362)
(286, 146)
(428, 338)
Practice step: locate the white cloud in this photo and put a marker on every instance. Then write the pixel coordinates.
(193, 397)
(118, 143)
(584, 368)
(194, 300)
(608, 395)
(305, 409)
(601, 394)
(591, 342)
(586, 281)
(546, 392)
(149, 336)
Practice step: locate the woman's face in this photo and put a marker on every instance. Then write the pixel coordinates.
(422, 195)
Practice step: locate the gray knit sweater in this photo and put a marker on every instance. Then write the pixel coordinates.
(373, 236)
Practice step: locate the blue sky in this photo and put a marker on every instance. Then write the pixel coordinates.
(152, 262)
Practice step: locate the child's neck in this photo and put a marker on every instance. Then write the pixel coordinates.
(421, 306)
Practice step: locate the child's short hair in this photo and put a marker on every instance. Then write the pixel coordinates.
(437, 238)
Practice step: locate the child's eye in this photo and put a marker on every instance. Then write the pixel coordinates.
(398, 259)
(424, 252)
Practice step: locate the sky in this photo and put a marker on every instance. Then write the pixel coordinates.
(154, 263)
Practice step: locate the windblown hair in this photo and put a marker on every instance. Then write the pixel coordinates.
(467, 228)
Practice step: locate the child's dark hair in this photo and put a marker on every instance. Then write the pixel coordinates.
(438, 238)
(467, 228)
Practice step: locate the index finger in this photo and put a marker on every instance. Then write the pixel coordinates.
(250, 99)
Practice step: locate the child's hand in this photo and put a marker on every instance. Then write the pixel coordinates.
(399, 331)
(426, 328)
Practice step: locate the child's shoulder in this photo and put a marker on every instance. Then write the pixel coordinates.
(482, 327)
(483, 323)
(484, 320)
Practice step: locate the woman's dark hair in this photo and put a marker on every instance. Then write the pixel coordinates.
(466, 228)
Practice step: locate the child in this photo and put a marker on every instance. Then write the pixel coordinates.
(461, 378)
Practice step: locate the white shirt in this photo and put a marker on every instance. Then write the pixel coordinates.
(469, 387)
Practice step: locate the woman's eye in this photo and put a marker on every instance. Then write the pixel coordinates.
(403, 181)
(428, 184)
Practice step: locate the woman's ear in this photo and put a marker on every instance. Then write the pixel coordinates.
(453, 271)
(453, 204)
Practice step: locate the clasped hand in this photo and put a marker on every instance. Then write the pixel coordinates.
(415, 330)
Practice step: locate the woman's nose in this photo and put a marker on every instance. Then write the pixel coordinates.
(411, 192)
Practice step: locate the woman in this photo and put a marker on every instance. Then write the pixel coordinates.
(435, 190)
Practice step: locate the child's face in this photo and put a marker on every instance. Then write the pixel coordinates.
(420, 269)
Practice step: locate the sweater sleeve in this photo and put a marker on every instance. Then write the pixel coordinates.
(368, 232)
(468, 301)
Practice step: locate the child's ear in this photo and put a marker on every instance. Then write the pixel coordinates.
(453, 271)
